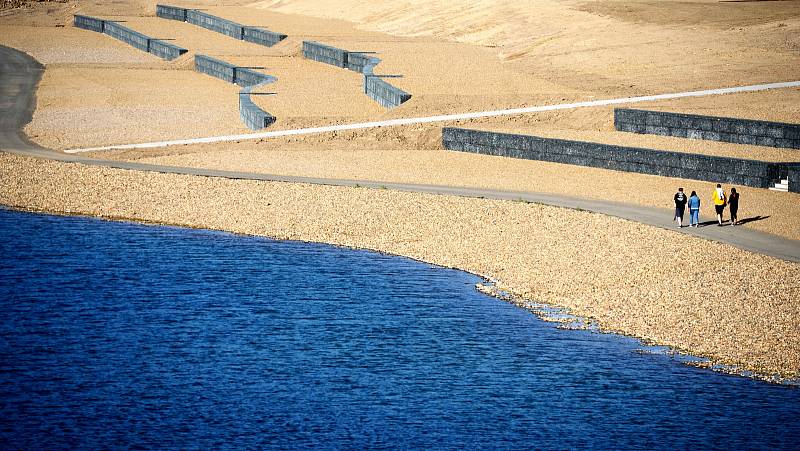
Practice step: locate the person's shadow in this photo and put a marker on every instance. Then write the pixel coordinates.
(727, 222)
(752, 219)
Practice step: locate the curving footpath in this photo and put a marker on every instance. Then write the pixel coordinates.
(20, 74)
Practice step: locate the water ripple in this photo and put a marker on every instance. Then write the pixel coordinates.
(118, 335)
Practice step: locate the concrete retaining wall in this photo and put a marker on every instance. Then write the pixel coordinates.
(215, 23)
(734, 171)
(794, 178)
(374, 87)
(158, 48)
(253, 117)
(226, 71)
(171, 12)
(384, 93)
(361, 63)
(262, 36)
(128, 36)
(214, 67)
(325, 54)
(248, 77)
(165, 50)
(227, 27)
(732, 130)
(89, 23)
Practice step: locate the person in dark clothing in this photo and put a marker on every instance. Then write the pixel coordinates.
(680, 206)
(733, 204)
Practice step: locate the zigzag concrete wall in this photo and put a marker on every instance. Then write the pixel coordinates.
(227, 27)
(142, 42)
(253, 117)
(759, 174)
(732, 130)
(376, 88)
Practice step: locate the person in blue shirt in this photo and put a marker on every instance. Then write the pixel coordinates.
(694, 210)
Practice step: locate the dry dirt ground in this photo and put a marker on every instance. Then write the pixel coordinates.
(455, 56)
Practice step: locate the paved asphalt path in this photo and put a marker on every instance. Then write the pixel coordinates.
(20, 74)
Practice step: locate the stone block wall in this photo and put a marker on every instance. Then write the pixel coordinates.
(165, 50)
(361, 62)
(725, 129)
(262, 36)
(374, 87)
(144, 43)
(171, 12)
(214, 67)
(384, 93)
(127, 36)
(251, 115)
(793, 174)
(215, 23)
(89, 23)
(227, 27)
(736, 171)
(248, 77)
(224, 70)
(325, 54)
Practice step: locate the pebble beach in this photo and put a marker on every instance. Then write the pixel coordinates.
(707, 298)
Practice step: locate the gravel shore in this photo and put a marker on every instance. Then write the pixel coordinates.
(704, 297)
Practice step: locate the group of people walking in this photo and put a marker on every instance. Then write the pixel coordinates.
(718, 196)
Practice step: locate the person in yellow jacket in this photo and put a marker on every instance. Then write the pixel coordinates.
(718, 197)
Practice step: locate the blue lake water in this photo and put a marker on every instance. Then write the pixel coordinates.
(119, 335)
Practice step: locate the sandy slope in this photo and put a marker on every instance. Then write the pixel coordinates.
(612, 43)
(454, 57)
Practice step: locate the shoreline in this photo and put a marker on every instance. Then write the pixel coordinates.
(547, 312)
(682, 290)
(756, 330)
